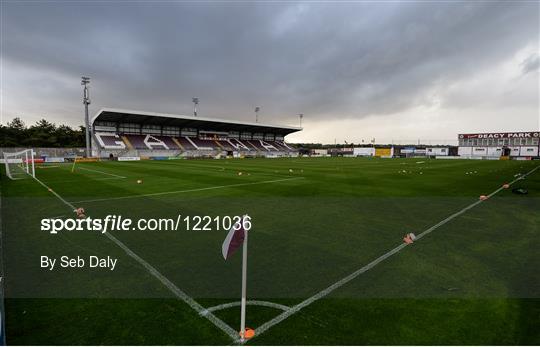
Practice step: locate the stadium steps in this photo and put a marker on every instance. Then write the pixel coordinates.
(253, 146)
(127, 142)
(219, 144)
(178, 143)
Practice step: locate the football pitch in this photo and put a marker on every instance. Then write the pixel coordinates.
(327, 262)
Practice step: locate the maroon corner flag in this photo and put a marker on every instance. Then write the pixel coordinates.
(234, 239)
(237, 237)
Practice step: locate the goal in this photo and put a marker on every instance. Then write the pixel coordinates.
(20, 164)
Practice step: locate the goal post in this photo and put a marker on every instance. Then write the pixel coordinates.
(19, 164)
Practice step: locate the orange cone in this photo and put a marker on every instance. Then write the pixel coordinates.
(248, 334)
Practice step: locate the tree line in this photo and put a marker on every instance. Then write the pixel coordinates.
(42, 134)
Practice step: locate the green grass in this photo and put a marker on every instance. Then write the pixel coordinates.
(474, 280)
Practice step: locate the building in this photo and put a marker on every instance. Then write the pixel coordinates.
(523, 145)
(319, 152)
(127, 133)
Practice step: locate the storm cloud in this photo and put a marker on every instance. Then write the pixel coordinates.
(340, 64)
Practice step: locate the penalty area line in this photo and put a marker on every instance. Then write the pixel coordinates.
(295, 309)
(86, 178)
(188, 190)
(101, 172)
(164, 280)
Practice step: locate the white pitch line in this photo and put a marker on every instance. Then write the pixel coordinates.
(55, 194)
(187, 190)
(86, 177)
(286, 314)
(101, 172)
(174, 289)
(249, 302)
(177, 291)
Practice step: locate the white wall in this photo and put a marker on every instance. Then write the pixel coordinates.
(528, 151)
(494, 151)
(364, 151)
(518, 151)
(464, 151)
(514, 151)
(479, 151)
(11, 161)
(320, 151)
(440, 151)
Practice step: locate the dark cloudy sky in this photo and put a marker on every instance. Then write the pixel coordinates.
(357, 70)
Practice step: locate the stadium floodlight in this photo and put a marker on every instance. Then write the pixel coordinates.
(300, 116)
(257, 109)
(195, 103)
(85, 81)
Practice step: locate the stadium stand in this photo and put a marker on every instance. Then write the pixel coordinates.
(135, 133)
(185, 144)
(225, 145)
(239, 145)
(523, 145)
(110, 141)
(151, 142)
(203, 145)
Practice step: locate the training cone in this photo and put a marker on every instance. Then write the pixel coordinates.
(80, 212)
(248, 334)
(408, 239)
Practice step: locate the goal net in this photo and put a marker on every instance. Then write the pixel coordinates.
(20, 164)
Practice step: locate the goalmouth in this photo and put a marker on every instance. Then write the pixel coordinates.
(20, 164)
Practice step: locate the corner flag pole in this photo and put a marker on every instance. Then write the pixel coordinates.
(243, 302)
(238, 235)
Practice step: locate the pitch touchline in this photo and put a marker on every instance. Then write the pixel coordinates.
(174, 289)
(286, 314)
(186, 190)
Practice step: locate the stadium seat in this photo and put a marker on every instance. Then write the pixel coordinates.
(110, 141)
(239, 145)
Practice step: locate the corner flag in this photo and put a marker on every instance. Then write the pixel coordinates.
(237, 237)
